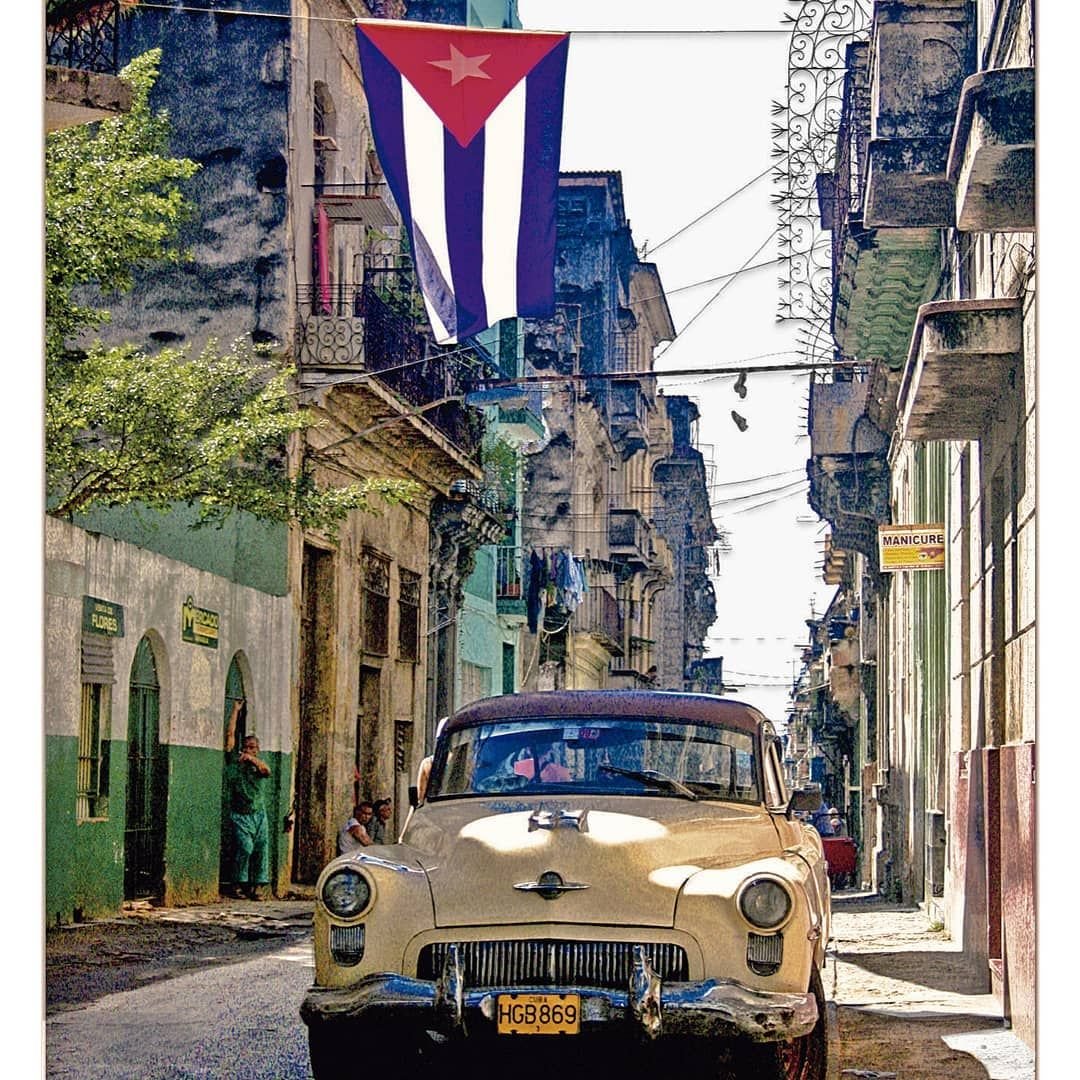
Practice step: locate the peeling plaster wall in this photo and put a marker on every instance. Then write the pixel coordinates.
(85, 860)
(235, 284)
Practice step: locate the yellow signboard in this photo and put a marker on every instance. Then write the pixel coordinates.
(199, 626)
(911, 547)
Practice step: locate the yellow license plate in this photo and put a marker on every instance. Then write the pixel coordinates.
(538, 1014)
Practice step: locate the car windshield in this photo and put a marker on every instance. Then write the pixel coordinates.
(591, 755)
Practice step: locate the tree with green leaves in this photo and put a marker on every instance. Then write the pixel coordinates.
(124, 425)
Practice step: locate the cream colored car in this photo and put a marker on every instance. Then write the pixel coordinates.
(587, 866)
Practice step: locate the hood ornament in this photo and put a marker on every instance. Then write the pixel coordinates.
(550, 885)
(558, 819)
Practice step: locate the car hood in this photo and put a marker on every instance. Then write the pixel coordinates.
(633, 854)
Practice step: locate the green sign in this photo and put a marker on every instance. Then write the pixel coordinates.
(199, 626)
(101, 617)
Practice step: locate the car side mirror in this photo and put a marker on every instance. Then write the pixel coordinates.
(414, 796)
(805, 800)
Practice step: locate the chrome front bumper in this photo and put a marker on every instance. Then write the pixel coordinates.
(720, 1008)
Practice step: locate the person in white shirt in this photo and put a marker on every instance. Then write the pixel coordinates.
(354, 833)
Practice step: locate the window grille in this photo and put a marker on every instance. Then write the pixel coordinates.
(376, 571)
(92, 768)
(475, 682)
(408, 616)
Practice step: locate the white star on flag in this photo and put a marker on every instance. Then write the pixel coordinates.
(461, 66)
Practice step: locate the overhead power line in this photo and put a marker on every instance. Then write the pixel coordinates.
(716, 295)
(758, 494)
(648, 252)
(594, 32)
(768, 502)
(556, 377)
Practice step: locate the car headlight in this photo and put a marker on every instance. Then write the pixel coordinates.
(346, 892)
(765, 903)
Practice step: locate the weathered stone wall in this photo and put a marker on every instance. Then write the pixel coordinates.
(224, 81)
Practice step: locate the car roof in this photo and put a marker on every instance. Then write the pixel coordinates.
(636, 704)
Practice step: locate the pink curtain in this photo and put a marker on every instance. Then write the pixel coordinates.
(322, 256)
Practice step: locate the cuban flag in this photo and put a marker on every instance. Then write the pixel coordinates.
(467, 125)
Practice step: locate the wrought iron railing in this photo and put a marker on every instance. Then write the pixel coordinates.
(83, 34)
(852, 144)
(601, 615)
(627, 353)
(349, 327)
(488, 498)
(509, 576)
(805, 134)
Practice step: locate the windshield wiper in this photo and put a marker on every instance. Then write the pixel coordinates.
(653, 779)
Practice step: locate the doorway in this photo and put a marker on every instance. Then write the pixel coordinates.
(147, 782)
(234, 691)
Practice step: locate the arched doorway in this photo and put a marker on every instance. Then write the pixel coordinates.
(147, 782)
(234, 691)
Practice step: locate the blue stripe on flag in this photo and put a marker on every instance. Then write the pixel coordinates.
(540, 184)
(463, 168)
(382, 85)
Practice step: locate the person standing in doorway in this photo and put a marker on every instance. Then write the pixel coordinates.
(380, 824)
(245, 774)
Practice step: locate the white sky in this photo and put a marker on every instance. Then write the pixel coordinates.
(686, 117)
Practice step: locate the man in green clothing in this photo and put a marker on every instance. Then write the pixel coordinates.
(251, 838)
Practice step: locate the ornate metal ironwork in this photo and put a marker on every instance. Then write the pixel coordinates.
(344, 326)
(805, 141)
(83, 34)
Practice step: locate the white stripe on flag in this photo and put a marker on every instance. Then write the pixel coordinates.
(423, 134)
(504, 161)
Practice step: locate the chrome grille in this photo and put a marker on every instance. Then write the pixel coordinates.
(764, 953)
(604, 964)
(347, 944)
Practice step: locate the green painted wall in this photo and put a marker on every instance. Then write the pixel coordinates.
(244, 549)
(193, 836)
(84, 862)
(481, 582)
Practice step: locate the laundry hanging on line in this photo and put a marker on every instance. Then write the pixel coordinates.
(555, 579)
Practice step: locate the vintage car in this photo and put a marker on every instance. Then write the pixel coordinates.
(598, 865)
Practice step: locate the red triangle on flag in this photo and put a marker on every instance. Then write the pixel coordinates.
(462, 73)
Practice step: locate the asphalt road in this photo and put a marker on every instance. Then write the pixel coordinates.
(238, 1021)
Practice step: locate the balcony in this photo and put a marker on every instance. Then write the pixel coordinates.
(600, 616)
(629, 538)
(838, 422)
(82, 61)
(628, 416)
(343, 329)
(835, 562)
(963, 357)
(880, 276)
(509, 580)
(992, 157)
(921, 52)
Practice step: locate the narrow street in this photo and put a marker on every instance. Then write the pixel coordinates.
(907, 1005)
(213, 991)
(589, 453)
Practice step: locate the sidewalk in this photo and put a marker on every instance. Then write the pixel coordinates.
(908, 1004)
(86, 961)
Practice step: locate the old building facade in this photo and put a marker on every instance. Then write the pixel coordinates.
(345, 645)
(600, 543)
(931, 211)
